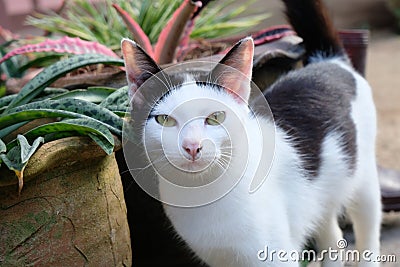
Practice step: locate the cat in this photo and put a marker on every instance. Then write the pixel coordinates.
(322, 135)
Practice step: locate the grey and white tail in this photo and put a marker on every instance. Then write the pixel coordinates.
(310, 20)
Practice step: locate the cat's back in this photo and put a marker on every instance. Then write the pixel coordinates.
(317, 101)
(324, 86)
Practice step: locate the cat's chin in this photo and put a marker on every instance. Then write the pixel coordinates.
(191, 173)
(195, 166)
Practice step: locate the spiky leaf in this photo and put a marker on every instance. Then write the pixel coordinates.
(137, 32)
(98, 132)
(17, 157)
(5, 100)
(119, 99)
(170, 36)
(92, 94)
(66, 108)
(2, 147)
(63, 45)
(55, 71)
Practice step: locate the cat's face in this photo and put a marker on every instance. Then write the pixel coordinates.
(192, 129)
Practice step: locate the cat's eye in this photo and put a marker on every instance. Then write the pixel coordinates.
(165, 120)
(216, 118)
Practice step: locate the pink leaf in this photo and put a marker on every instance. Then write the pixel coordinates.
(139, 35)
(63, 45)
(170, 36)
(272, 34)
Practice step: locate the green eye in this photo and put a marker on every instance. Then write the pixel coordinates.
(165, 120)
(216, 118)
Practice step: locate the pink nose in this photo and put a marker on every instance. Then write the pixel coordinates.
(192, 149)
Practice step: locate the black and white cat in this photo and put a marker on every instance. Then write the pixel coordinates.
(323, 136)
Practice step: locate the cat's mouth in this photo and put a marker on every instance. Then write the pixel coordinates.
(199, 164)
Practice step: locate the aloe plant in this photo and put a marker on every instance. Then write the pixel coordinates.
(63, 45)
(81, 112)
(145, 21)
(46, 53)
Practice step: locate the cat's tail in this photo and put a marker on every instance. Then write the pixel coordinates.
(310, 20)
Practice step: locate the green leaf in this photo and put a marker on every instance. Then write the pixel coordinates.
(118, 99)
(67, 108)
(2, 147)
(42, 61)
(98, 132)
(35, 86)
(3, 89)
(103, 143)
(92, 94)
(49, 93)
(17, 157)
(11, 128)
(5, 100)
(26, 150)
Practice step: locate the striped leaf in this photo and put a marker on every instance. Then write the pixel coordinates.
(17, 157)
(73, 108)
(98, 132)
(118, 100)
(55, 71)
(5, 100)
(92, 94)
(11, 128)
(63, 45)
(2, 147)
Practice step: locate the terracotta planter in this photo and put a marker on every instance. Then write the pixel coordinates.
(71, 211)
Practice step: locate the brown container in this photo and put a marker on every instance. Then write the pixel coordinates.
(71, 211)
(356, 43)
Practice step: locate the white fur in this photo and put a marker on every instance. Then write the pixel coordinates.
(288, 207)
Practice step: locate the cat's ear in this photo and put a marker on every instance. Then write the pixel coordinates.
(237, 78)
(139, 66)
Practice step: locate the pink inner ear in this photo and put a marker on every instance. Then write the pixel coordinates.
(239, 96)
(240, 58)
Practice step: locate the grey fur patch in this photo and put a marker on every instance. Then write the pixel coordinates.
(311, 102)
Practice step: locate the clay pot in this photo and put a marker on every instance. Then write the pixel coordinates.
(71, 211)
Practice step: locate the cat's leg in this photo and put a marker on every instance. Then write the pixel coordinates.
(365, 213)
(327, 242)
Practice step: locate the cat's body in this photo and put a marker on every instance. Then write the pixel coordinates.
(324, 160)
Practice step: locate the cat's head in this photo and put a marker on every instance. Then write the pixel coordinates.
(193, 122)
